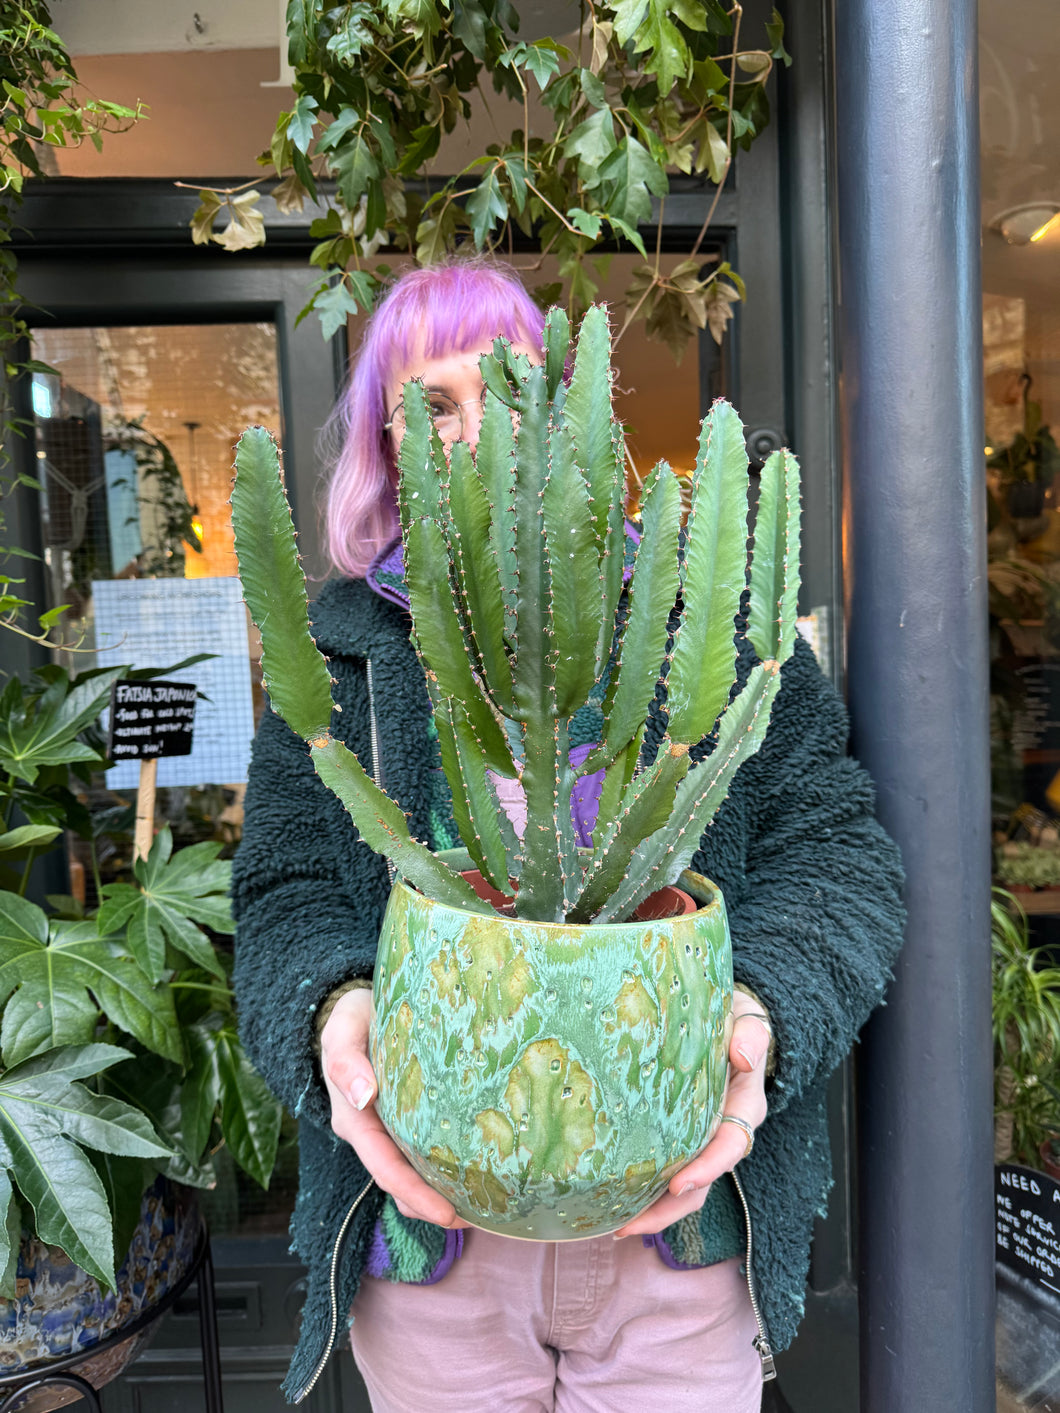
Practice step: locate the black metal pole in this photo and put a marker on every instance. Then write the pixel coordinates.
(915, 568)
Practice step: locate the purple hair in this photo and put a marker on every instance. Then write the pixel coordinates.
(445, 308)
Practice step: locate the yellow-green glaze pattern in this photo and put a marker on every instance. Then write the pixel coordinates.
(549, 1078)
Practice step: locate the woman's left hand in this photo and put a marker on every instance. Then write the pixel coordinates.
(745, 1099)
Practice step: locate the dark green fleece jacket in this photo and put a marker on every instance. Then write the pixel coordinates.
(811, 884)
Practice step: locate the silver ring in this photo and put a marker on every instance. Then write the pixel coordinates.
(748, 1130)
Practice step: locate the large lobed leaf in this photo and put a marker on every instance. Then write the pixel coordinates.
(44, 731)
(54, 984)
(174, 894)
(47, 1119)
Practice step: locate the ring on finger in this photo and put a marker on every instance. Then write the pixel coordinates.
(758, 1016)
(749, 1132)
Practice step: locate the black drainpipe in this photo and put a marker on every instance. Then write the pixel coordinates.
(915, 569)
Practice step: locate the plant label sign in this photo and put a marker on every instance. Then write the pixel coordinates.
(150, 719)
(1027, 1229)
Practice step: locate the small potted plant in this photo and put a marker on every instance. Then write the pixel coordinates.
(1026, 1011)
(120, 1068)
(550, 1042)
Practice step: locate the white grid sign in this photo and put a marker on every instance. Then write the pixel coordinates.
(157, 622)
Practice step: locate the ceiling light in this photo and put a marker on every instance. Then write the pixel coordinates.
(1022, 224)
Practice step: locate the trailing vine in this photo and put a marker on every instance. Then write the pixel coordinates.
(41, 107)
(644, 88)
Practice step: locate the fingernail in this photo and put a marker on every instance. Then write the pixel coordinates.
(360, 1093)
(748, 1057)
(688, 1187)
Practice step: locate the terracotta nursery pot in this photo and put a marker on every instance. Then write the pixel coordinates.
(550, 1078)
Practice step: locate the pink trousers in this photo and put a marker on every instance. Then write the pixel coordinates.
(598, 1326)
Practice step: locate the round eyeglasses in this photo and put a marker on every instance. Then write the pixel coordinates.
(448, 415)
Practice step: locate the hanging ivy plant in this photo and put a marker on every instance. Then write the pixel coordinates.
(41, 107)
(644, 88)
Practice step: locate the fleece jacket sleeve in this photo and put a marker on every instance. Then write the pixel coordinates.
(308, 896)
(819, 920)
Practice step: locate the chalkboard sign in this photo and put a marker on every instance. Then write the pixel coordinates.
(1027, 1204)
(150, 719)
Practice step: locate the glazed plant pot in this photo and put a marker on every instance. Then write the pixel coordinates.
(61, 1310)
(550, 1078)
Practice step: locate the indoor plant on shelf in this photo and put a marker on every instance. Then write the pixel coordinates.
(120, 1068)
(546, 1056)
(1026, 1011)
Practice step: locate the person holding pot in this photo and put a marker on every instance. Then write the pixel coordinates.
(662, 1314)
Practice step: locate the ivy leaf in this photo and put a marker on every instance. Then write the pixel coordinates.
(355, 166)
(435, 234)
(354, 36)
(333, 305)
(250, 1116)
(515, 170)
(720, 299)
(647, 23)
(630, 233)
(45, 1118)
(302, 122)
(54, 986)
(172, 897)
(593, 89)
(588, 222)
(543, 61)
(591, 143)
(630, 175)
(713, 153)
(486, 206)
(205, 215)
(421, 149)
(289, 195)
(469, 27)
(246, 228)
(775, 31)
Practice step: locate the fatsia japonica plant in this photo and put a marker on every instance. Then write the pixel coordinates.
(522, 610)
(119, 1057)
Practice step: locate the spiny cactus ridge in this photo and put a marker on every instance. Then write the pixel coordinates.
(514, 563)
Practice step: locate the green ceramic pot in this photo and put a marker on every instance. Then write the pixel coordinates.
(549, 1079)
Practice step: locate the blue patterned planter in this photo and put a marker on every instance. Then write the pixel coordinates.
(60, 1310)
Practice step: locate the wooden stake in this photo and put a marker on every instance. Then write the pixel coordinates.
(145, 808)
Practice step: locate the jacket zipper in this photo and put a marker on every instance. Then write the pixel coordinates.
(333, 1278)
(761, 1341)
(333, 1289)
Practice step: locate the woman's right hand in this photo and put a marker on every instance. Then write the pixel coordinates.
(351, 1084)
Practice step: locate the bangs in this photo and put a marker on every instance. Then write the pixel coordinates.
(460, 306)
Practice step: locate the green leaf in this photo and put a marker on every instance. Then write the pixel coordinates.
(171, 898)
(46, 733)
(486, 206)
(334, 303)
(10, 1236)
(647, 23)
(593, 88)
(303, 121)
(28, 836)
(542, 61)
(274, 588)
(200, 1091)
(630, 233)
(775, 31)
(54, 990)
(124, 1181)
(588, 222)
(591, 143)
(355, 166)
(630, 177)
(44, 1118)
(250, 1116)
(421, 149)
